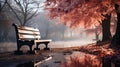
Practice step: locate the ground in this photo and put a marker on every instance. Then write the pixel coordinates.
(63, 57)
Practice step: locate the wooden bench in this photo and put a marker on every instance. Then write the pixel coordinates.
(29, 36)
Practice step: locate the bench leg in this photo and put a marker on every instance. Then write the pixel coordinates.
(30, 51)
(46, 47)
(30, 47)
(18, 47)
(18, 52)
(37, 47)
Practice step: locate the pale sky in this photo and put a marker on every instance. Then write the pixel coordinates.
(41, 9)
(41, 4)
(42, 0)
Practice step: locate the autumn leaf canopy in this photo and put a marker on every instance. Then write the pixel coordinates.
(76, 13)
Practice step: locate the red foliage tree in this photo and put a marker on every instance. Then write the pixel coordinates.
(75, 13)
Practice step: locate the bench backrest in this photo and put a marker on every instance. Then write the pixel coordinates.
(27, 33)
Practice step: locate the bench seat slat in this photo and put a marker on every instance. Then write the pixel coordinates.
(29, 32)
(47, 40)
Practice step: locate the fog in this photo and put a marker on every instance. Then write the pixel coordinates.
(61, 35)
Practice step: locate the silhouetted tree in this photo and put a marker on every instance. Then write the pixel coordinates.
(24, 10)
(106, 29)
(116, 37)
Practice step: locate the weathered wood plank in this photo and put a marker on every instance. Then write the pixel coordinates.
(28, 28)
(22, 36)
(48, 40)
(29, 32)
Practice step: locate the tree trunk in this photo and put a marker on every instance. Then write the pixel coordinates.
(106, 29)
(116, 37)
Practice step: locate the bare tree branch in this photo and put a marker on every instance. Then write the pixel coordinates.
(24, 10)
(14, 13)
(20, 6)
(2, 6)
(32, 15)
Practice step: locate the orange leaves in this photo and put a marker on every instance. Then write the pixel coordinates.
(76, 13)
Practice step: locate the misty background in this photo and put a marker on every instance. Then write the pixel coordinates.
(61, 35)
